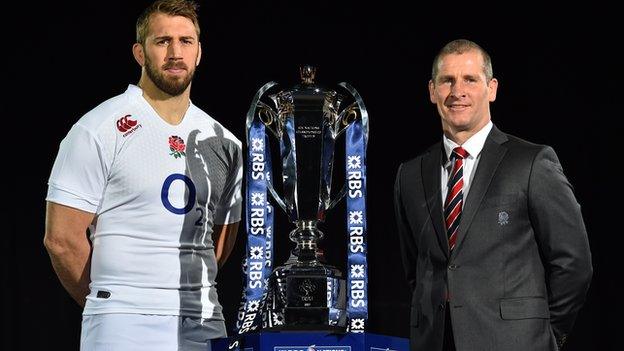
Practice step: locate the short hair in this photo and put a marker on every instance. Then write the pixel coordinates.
(184, 8)
(460, 46)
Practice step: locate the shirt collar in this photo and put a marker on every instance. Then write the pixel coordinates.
(134, 90)
(474, 145)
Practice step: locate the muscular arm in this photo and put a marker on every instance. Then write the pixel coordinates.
(69, 248)
(559, 229)
(224, 237)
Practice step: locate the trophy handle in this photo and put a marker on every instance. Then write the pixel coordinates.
(339, 197)
(346, 117)
(278, 199)
(363, 110)
(254, 106)
(266, 116)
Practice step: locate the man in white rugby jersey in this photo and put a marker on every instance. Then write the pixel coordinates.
(157, 183)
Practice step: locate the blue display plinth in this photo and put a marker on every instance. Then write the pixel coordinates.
(314, 341)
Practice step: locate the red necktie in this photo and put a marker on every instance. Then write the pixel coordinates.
(455, 195)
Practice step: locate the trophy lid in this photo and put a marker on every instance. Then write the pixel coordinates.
(307, 86)
(307, 73)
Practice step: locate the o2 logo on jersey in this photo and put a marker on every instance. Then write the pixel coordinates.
(192, 193)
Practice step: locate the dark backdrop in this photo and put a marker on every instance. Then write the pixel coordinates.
(558, 86)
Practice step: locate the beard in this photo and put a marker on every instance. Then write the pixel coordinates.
(172, 86)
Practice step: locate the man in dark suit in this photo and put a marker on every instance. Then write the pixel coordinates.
(492, 237)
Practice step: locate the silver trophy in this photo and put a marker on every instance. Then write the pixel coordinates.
(305, 293)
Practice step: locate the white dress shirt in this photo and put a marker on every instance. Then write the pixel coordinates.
(474, 145)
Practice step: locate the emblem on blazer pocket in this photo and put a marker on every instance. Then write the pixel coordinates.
(503, 218)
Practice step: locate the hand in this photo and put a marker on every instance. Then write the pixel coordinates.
(561, 341)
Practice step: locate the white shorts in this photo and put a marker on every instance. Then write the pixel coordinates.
(137, 332)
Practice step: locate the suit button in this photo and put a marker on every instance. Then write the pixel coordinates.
(453, 267)
(442, 306)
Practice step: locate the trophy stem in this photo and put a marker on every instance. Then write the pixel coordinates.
(306, 236)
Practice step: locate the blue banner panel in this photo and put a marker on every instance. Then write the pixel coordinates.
(313, 341)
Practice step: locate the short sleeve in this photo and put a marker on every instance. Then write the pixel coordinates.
(78, 177)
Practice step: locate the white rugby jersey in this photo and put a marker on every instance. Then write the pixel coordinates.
(156, 190)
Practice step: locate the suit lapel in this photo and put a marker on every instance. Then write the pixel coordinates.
(491, 156)
(430, 169)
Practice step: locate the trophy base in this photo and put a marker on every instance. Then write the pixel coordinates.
(307, 296)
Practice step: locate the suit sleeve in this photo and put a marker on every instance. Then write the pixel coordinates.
(409, 250)
(558, 224)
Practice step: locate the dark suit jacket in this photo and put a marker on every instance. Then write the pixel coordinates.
(521, 266)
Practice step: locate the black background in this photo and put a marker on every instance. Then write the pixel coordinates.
(558, 85)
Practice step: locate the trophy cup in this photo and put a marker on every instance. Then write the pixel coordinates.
(304, 293)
